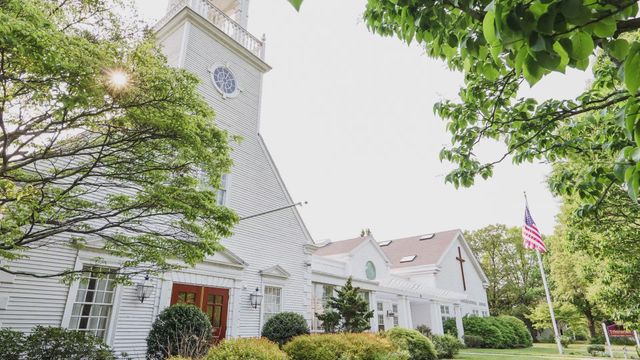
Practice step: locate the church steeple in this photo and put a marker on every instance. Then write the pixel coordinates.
(236, 10)
(229, 16)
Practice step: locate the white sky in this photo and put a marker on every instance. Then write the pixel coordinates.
(348, 117)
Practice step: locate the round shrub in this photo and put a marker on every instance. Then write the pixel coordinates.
(241, 349)
(502, 332)
(473, 341)
(361, 346)
(565, 341)
(52, 343)
(180, 330)
(284, 326)
(489, 335)
(596, 350)
(522, 334)
(508, 338)
(447, 346)
(418, 345)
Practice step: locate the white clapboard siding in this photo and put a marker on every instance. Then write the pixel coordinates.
(254, 187)
(35, 301)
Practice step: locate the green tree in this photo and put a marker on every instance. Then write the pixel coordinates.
(574, 276)
(567, 316)
(515, 285)
(606, 241)
(499, 44)
(103, 144)
(350, 309)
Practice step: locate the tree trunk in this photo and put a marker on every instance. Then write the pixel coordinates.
(590, 322)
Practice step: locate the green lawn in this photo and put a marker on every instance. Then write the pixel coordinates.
(540, 351)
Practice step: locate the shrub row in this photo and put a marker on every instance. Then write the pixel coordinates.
(51, 343)
(241, 349)
(395, 344)
(344, 346)
(502, 332)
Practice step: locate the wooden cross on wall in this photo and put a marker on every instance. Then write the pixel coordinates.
(461, 260)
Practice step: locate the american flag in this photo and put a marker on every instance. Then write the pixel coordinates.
(530, 233)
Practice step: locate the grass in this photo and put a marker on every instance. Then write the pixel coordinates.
(543, 352)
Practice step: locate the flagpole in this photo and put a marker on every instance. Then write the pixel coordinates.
(546, 291)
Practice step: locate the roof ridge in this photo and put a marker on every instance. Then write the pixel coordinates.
(422, 234)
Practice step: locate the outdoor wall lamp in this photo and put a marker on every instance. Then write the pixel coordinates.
(143, 290)
(255, 298)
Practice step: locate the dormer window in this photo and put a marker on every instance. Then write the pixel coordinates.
(408, 258)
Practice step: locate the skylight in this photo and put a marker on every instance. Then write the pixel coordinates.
(408, 258)
(427, 236)
(385, 243)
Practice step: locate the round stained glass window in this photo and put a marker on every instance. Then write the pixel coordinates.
(224, 81)
(371, 270)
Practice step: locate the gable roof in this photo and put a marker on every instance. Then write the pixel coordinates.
(349, 246)
(340, 247)
(429, 251)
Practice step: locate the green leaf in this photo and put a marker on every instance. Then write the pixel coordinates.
(635, 155)
(545, 22)
(605, 27)
(564, 56)
(490, 72)
(619, 170)
(581, 45)
(632, 69)
(532, 71)
(521, 56)
(296, 4)
(489, 28)
(550, 61)
(618, 49)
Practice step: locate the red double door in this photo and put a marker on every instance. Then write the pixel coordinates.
(213, 301)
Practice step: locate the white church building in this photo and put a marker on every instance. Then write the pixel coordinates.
(413, 281)
(271, 263)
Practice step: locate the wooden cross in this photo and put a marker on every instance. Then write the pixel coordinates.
(461, 260)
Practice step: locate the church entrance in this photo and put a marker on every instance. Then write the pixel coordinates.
(212, 301)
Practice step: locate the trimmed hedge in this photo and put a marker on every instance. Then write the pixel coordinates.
(418, 345)
(246, 349)
(343, 346)
(284, 326)
(447, 346)
(179, 330)
(502, 332)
